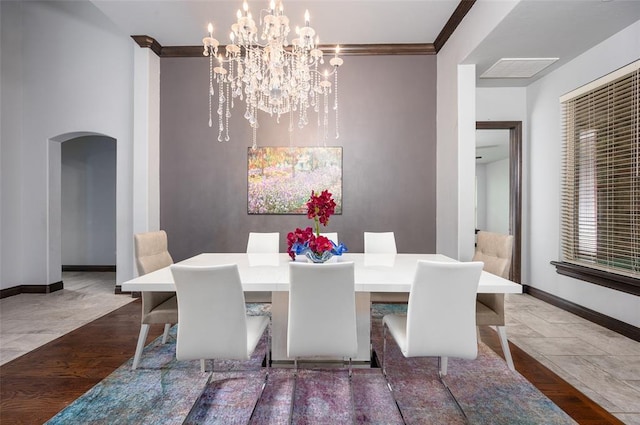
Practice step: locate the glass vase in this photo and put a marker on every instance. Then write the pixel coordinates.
(318, 258)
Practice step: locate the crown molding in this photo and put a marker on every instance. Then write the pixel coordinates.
(145, 41)
(345, 50)
(458, 15)
(461, 11)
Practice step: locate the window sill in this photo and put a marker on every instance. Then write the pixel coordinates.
(599, 277)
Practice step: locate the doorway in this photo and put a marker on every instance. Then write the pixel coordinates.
(86, 232)
(88, 193)
(514, 171)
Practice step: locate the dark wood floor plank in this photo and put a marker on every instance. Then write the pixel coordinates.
(36, 386)
(580, 407)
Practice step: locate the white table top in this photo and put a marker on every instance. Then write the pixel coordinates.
(270, 272)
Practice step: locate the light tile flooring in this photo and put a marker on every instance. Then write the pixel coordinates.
(604, 365)
(28, 321)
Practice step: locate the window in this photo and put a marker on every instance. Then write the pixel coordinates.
(600, 207)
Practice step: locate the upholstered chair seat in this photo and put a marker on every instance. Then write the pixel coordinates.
(164, 312)
(151, 251)
(494, 250)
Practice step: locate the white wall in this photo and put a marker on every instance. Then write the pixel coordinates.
(88, 201)
(501, 104)
(84, 84)
(544, 174)
(492, 192)
(456, 129)
(146, 150)
(10, 151)
(481, 196)
(497, 197)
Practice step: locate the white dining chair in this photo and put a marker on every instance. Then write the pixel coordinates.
(380, 243)
(440, 320)
(383, 243)
(495, 251)
(212, 315)
(151, 254)
(332, 236)
(262, 243)
(314, 331)
(213, 319)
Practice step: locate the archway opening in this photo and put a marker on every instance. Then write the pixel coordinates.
(82, 203)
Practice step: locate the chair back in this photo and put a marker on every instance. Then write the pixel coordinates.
(151, 251)
(263, 243)
(322, 310)
(380, 243)
(332, 236)
(211, 312)
(495, 250)
(441, 315)
(152, 254)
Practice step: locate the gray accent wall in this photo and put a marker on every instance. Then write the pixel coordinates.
(387, 109)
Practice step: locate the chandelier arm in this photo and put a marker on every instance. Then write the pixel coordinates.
(326, 73)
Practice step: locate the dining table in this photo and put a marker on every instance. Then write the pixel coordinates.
(270, 273)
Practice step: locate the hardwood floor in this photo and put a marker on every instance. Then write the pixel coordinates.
(36, 386)
(573, 402)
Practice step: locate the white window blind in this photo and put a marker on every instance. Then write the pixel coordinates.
(600, 207)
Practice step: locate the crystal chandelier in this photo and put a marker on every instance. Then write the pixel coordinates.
(271, 75)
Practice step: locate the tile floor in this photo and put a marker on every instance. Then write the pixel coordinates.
(604, 365)
(28, 321)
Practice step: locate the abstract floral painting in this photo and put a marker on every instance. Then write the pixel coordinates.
(280, 179)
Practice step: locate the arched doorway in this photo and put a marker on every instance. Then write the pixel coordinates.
(82, 203)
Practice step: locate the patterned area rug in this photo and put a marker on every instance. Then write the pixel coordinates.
(165, 391)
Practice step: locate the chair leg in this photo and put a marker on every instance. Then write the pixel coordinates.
(268, 351)
(142, 338)
(441, 379)
(266, 376)
(442, 365)
(293, 391)
(502, 333)
(384, 371)
(165, 335)
(384, 350)
(202, 366)
(353, 397)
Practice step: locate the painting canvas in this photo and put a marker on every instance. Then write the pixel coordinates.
(280, 179)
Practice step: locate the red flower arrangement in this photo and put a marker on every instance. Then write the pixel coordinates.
(319, 208)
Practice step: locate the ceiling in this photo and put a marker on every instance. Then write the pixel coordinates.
(533, 29)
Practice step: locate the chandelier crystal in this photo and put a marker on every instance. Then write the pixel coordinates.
(271, 75)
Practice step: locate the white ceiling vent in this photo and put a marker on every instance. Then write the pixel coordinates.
(517, 67)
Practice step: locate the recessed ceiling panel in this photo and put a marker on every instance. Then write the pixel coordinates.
(517, 67)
